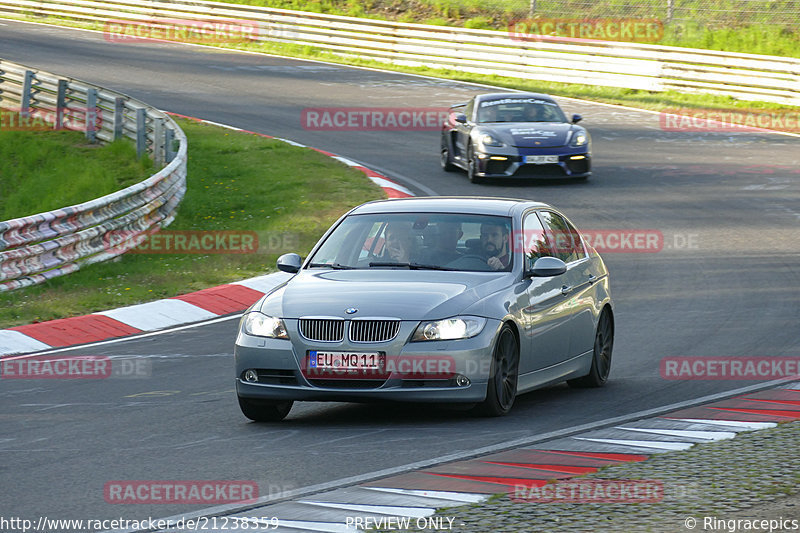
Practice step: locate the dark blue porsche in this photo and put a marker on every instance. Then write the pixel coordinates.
(502, 135)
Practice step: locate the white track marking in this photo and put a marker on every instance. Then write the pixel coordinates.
(389, 510)
(658, 445)
(465, 497)
(691, 434)
(743, 426)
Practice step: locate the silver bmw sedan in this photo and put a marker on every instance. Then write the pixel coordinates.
(438, 300)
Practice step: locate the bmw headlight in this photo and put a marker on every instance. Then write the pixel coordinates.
(488, 140)
(579, 139)
(261, 325)
(460, 327)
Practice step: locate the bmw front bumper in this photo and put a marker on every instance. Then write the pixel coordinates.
(282, 374)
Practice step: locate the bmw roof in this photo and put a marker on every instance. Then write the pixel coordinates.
(449, 204)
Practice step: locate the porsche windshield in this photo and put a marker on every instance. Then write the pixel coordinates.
(424, 241)
(520, 110)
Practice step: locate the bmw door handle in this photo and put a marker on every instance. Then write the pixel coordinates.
(566, 290)
(592, 279)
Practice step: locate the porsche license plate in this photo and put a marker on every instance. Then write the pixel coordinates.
(541, 159)
(320, 360)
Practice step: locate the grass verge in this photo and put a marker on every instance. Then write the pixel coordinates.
(236, 182)
(42, 171)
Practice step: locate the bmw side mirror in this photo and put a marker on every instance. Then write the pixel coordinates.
(461, 118)
(547, 267)
(576, 118)
(290, 263)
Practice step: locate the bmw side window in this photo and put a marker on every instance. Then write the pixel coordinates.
(533, 241)
(563, 238)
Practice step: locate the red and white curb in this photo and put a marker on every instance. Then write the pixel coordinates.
(413, 497)
(131, 320)
(160, 314)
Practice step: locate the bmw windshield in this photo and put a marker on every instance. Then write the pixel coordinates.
(424, 241)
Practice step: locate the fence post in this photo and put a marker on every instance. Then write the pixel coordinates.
(119, 116)
(141, 132)
(158, 138)
(670, 10)
(91, 115)
(169, 137)
(61, 104)
(25, 103)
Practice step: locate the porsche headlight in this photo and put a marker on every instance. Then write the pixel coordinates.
(261, 325)
(579, 139)
(460, 327)
(488, 140)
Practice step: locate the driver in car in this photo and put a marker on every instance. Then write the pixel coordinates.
(494, 243)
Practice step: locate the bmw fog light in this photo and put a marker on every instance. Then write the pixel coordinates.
(251, 376)
(462, 381)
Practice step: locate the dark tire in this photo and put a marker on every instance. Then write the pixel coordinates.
(502, 388)
(265, 410)
(601, 357)
(472, 165)
(446, 160)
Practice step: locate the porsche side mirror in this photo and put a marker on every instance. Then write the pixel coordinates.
(461, 118)
(576, 118)
(290, 263)
(547, 267)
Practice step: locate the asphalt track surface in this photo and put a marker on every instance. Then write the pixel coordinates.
(735, 292)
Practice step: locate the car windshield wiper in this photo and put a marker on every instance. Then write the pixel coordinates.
(412, 266)
(335, 266)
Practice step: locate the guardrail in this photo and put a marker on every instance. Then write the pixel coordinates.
(616, 64)
(39, 247)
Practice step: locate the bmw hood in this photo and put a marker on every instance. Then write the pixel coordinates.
(534, 134)
(403, 294)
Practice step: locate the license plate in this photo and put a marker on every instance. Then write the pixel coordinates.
(319, 360)
(541, 159)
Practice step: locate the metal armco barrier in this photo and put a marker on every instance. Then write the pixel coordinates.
(614, 64)
(36, 248)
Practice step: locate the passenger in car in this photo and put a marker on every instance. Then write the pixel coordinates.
(442, 241)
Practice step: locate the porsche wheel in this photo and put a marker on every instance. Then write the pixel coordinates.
(446, 160)
(472, 166)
